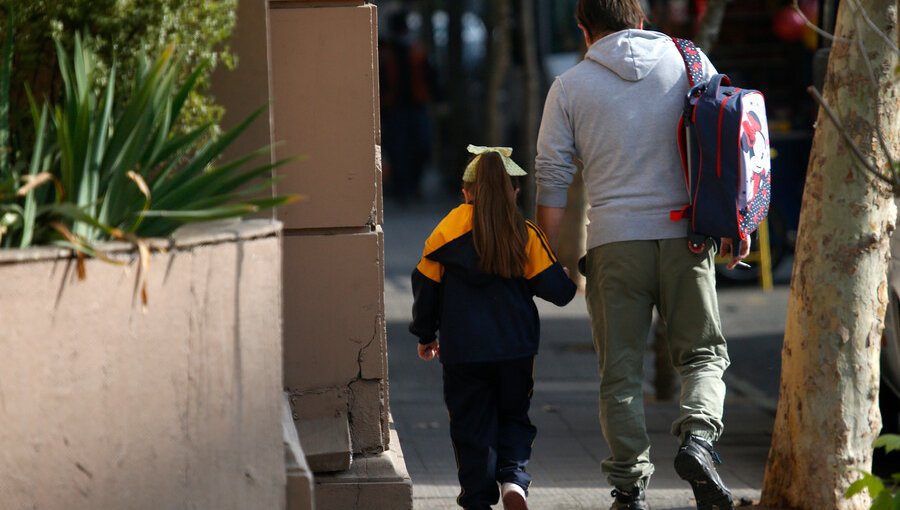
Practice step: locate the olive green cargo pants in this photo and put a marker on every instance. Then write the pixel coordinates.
(625, 280)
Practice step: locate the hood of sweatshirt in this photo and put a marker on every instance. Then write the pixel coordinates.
(631, 54)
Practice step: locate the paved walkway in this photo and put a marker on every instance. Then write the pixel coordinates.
(569, 446)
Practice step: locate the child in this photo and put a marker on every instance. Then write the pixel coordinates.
(475, 284)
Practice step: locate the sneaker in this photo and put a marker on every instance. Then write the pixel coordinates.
(632, 499)
(513, 497)
(696, 463)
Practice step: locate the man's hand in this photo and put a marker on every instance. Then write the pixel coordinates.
(727, 248)
(429, 351)
(549, 219)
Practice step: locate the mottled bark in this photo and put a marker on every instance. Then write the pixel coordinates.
(827, 412)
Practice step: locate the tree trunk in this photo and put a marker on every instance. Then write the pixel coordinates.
(499, 42)
(827, 412)
(711, 25)
(426, 33)
(531, 112)
(457, 92)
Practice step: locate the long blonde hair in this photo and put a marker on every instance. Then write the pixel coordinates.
(498, 228)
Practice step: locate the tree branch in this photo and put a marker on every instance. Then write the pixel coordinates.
(868, 65)
(816, 29)
(859, 9)
(889, 180)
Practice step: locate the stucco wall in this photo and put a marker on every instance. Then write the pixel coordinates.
(106, 406)
(325, 107)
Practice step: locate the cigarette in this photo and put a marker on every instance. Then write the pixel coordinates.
(743, 265)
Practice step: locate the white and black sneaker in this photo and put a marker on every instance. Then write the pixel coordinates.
(513, 497)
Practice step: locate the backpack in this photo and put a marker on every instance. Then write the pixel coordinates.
(723, 139)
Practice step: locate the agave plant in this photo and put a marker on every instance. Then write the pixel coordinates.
(110, 166)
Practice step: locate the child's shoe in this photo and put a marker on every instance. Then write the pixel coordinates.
(513, 497)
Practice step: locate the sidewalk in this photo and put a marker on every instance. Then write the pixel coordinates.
(569, 446)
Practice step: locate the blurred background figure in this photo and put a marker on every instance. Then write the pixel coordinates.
(455, 72)
(406, 84)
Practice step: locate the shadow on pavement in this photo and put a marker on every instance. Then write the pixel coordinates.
(569, 447)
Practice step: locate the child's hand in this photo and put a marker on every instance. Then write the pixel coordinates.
(429, 351)
(727, 248)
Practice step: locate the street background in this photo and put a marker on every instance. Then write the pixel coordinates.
(569, 445)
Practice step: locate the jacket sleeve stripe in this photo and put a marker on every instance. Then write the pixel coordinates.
(546, 277)
(543, 237)
(540, 257)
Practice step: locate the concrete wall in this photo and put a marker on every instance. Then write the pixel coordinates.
(106, 406)
(324, 83)
(247, 87)
(322, 80)
(334, 353)
(299, 476)
(325, 108)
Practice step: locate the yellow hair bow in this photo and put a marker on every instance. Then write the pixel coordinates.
(505, 152)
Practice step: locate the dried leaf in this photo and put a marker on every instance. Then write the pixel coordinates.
(82, 273)
(142, 185)
(144, 252)
(33, 182)
(143, 265)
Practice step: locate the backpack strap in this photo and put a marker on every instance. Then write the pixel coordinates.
(693, 64)
(694, 67)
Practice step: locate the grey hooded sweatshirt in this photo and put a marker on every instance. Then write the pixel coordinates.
(617, 111)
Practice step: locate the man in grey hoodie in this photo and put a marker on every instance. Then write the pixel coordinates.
(617, 112)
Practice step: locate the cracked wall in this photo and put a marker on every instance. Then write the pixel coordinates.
(334, 351)
(326, 108)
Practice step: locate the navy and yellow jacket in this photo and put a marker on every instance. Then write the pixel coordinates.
(480, 316)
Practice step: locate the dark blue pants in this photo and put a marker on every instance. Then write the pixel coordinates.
(489, 426)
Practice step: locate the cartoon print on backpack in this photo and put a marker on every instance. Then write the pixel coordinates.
(724, 129)
(753, 147)
(755, 158)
